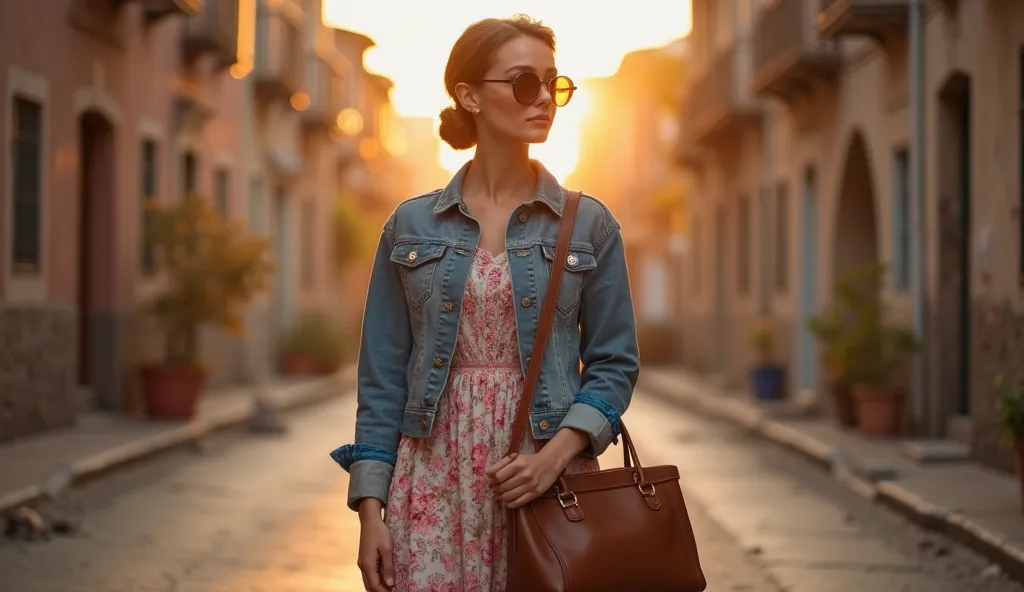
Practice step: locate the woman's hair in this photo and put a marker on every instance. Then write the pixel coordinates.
(471, 58)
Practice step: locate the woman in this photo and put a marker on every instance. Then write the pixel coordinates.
(454, 300)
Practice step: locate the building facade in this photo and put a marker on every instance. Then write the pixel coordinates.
(634, 110)
(798, 129)
(108, 105)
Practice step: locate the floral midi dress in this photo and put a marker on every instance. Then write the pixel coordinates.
(447, 526)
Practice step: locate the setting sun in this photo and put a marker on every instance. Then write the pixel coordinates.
(414, 38)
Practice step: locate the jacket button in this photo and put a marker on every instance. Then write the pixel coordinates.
(523, 217)
(527, 303)
(438, 362)
(572, 260)
(423, 424)
(448, 306)
(412, 255)
(543, 425)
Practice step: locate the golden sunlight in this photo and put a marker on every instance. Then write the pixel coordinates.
(593, 37)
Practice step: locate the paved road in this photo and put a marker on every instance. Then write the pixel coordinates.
(267, 514)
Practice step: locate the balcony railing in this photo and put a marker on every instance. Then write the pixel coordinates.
(322, 83)
(214, 29)
(721, 99)
(789, 55)
(279, 56)
(155, 10)
(872, 18)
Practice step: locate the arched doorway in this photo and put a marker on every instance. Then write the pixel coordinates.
(856, 236)
(953, 311)
(96, 257)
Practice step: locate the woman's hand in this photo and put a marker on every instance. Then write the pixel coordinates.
(375, 560)
(521, 478)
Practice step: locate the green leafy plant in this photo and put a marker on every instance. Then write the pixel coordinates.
(861, 345)
(318, 336)
(211, 269)
(1010, 407)
(762, 340)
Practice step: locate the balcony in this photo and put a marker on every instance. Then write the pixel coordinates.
(280, 60)
(325, 99)
(789, 56)
(213, 30)
(155, 10)
(719, 102)
(872, 18)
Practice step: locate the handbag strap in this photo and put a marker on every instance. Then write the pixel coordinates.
(547, 313)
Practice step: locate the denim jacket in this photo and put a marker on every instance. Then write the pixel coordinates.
(412, 316)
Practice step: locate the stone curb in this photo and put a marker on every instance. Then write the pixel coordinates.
(292, 397)
(888, 493)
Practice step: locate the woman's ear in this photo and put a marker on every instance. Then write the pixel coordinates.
(467, 98)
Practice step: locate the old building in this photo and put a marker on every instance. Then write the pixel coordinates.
(111, 104)
(798, 126)
(626, 160)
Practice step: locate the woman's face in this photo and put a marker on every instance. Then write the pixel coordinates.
(504, 117)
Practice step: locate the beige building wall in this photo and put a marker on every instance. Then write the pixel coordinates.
(822, 126)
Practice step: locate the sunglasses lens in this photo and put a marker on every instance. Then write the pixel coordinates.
(561, 90)
(526, 87)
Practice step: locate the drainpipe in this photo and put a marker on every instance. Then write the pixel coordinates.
(917, 227)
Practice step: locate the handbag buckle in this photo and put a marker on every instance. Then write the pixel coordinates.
(570, 505)
(565, 502)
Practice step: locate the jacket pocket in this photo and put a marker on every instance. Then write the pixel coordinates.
(417, 262)
(577, 264)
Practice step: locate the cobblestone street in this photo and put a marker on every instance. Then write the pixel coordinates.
(248, 515)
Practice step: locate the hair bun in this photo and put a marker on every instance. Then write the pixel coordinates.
(457, 128)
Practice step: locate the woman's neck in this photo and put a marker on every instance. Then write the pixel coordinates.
(500, 173)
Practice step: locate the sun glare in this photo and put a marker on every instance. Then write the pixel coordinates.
(593, 36)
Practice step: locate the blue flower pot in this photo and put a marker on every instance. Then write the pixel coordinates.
(766, 381)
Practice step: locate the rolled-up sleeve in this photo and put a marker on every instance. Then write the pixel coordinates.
(608, 346)
(384, 351)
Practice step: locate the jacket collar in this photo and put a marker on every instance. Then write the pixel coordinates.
(549, 191)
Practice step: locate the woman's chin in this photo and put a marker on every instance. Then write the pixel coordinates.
(537, 137)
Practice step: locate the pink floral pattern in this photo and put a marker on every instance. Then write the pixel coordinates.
(448, 529)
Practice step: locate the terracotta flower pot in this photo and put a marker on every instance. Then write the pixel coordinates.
(842, 399)
(879, 409)
(1018, 449)
(172, 390)
(299, 364)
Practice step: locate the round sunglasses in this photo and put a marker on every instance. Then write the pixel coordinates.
(526, 88)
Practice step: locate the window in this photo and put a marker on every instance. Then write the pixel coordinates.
(221, 182)
(26, 167)
(901, 219)
(188, 171)
(743, 244)
(1020, 169)
(256, 207)
(308, 244)
(782, 237)
(148, 173)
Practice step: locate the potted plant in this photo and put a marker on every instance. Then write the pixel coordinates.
(314, 345)
(1010, 408)
(210, 270)
(828, 329)
(766, 376)
(874, 349)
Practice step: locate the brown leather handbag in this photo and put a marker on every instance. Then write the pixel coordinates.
(617, 530)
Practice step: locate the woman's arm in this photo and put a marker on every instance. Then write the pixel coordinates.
(608, 345)
(384, 352)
